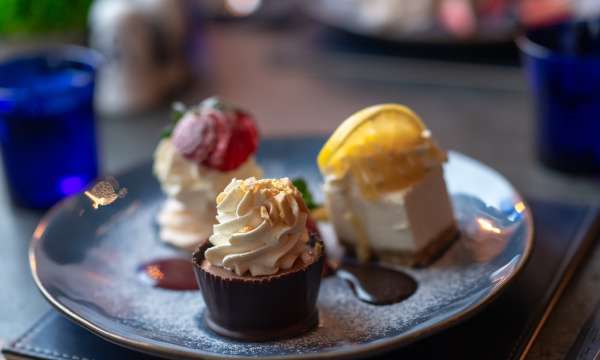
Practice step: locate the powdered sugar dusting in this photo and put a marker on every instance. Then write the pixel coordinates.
(100, 284)
(175, 317)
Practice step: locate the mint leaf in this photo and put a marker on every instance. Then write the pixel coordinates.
(178, 109)
(166, 132)
(215, 102)
(302, 186)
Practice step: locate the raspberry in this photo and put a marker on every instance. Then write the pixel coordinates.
(216, 135)
(194, 137)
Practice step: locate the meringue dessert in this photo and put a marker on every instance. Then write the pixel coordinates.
(209, 145)
(384, 187)
(261, 271)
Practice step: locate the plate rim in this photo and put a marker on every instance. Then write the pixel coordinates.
(372, 348)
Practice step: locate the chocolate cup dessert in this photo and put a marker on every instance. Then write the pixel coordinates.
(260, 308)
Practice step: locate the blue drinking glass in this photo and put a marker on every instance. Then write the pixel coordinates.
(562, 62)
(47, 130)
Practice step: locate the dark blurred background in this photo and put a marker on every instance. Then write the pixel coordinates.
(302, 67)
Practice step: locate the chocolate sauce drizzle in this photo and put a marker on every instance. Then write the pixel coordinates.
(170, 273)
(375, 284)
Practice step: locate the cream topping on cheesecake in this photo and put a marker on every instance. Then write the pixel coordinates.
(261, 227)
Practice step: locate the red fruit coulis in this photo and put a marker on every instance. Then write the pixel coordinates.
(169, 273)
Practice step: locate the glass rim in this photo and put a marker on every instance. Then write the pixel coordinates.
(533, 49)
(69, 53)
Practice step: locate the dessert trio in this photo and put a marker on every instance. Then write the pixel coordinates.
(257, 254)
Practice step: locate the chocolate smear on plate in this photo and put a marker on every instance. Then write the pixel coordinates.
(375, 284)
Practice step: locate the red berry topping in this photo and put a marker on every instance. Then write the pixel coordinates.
(216, 135)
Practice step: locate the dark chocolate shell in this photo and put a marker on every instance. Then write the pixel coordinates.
(260, 308)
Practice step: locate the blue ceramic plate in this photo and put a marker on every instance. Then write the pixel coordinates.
(84, 261)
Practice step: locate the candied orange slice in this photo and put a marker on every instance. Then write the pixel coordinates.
(384, 147)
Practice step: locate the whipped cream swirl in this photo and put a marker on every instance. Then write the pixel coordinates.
(261, 229)
(187, 217)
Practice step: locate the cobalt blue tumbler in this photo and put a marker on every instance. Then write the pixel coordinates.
(563, 65)
(47, 130)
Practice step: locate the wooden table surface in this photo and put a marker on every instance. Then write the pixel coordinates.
(295, 87)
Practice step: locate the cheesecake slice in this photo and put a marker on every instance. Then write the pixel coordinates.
(384, 187)
(400, 226)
